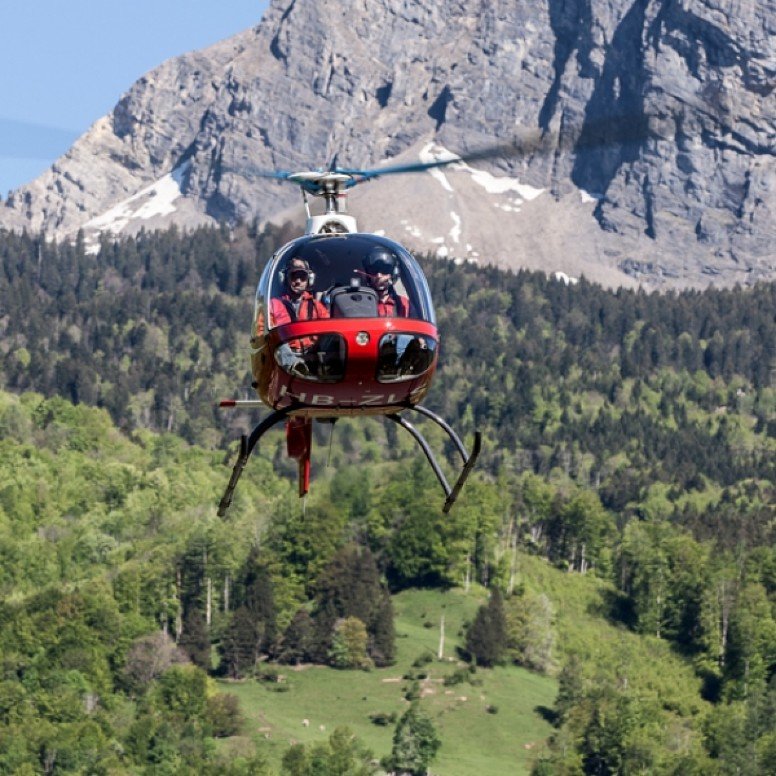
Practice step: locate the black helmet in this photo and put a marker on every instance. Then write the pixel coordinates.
(382, 260)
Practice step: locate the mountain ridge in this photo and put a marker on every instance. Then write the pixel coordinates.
(684, 198)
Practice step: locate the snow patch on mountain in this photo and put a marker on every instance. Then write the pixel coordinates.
(155, 200)
(455, 232)
(433, 152)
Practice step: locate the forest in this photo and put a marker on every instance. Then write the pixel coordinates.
(629, 438)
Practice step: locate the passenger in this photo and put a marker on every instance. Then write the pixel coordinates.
(382, 271)
(296, 303)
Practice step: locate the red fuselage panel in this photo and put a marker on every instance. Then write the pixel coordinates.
(358, 390)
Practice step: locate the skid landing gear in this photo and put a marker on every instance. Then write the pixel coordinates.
(246, 448)
(468, 460)
(299, 444)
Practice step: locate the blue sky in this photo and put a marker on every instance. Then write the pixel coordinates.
(65, 63)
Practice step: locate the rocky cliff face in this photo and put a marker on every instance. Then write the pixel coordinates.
(662, 111)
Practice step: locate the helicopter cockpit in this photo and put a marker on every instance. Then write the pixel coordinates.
(334, 279)
(340, 264)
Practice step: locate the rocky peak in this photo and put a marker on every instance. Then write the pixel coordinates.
(662, 111)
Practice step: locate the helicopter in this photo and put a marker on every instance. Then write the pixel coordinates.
(357, 357)
(367, 345)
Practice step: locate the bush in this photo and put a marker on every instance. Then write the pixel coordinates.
(459, 676)
(412, 693)
(223, 714)
(269, 675)
(382, 718)
(422, 660)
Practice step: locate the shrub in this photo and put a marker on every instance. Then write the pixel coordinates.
(422, 660)
(382, 718)
(459, 676)
(412, 693)
(223, 714)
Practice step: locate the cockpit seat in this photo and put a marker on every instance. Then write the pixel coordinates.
(353, 301)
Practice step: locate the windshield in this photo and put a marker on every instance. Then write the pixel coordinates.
(345, 276)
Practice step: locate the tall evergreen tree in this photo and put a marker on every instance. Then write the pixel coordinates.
(350, 587)
(259, 601)
(382, 648)
(195, 641)
(298, 642)
(240, 647)
(415, 744)
(486, 637)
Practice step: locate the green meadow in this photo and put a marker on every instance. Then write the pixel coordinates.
(489, 723)
(492, 722)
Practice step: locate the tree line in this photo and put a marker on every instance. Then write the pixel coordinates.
(629, 436)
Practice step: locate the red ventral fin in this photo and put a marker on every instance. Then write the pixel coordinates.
(299, 443)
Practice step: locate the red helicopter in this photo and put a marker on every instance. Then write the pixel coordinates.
(343, 325)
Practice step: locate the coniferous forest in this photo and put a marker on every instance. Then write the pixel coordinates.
(629, 443)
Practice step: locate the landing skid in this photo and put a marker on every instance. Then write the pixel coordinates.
(468, 460)
(298, 434)
(246, 448)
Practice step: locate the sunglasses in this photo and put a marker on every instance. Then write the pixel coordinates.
(382, 267)
(298, 274)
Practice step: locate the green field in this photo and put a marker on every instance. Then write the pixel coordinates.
(475, 740)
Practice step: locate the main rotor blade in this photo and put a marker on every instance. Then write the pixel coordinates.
(613, 131)
(610, 131)
(281, 175)
(376, 172)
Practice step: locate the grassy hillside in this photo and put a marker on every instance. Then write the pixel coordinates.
(474, 740)
(493, 723)
(649, 666)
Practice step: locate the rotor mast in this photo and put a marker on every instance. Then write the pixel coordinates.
(332, 188)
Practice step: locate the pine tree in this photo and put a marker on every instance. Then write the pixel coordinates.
(486, 638)
(195, 640)
(260, 602)
(350, 587)
(351, 583)
(240, 646)
(383, 642)
(297, 644)
(415, 744)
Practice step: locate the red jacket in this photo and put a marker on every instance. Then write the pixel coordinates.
(282, 309)
(393, 306)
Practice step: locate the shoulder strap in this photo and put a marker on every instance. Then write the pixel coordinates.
(312, 312)
(290, 307)
(398, 304)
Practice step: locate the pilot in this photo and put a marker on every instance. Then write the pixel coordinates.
(382, 271)
(296, 303)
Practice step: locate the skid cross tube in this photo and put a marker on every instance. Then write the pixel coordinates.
(246, 448)
(468, 460)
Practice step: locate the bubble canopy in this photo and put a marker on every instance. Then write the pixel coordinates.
(349, 263)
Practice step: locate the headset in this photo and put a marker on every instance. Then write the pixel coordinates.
(310, 273)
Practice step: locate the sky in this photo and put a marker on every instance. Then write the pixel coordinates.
(65, 63)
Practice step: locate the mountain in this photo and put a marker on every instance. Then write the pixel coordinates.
(661, 112)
